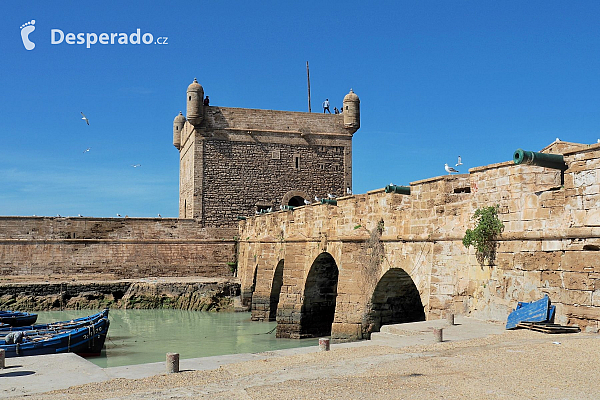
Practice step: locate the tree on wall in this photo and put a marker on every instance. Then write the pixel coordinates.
(483, 236)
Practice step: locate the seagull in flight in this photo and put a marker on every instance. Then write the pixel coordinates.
(136, 165)
(459, 161)
(449, 170)
(86, 150)
(87, 121)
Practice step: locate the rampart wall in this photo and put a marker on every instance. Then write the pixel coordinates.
(33, 248)
(550, 245)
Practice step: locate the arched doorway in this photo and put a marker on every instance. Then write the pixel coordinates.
(320, 294)
(276, 291)
(294, 198)
(296, 201)
(395, 300)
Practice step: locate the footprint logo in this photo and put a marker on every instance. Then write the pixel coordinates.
(26, 29)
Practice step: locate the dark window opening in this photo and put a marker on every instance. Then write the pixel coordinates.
(462, 190)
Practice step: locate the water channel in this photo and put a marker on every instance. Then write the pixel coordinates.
(144, 336)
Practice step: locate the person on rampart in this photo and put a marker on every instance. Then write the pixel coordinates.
(326, 106)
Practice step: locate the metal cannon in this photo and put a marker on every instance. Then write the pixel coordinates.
(397, 189)
(554, 161)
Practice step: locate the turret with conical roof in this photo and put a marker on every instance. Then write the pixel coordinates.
(178, 124)
(351, 111)
(195, 96)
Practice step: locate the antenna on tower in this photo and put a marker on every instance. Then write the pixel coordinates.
(308, 80)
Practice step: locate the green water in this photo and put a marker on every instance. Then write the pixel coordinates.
(144, 336)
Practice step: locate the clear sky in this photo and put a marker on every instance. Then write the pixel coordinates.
(436, 79)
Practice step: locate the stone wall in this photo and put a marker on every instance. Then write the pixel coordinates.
(33, 248)
(237, 161)
(549, 246)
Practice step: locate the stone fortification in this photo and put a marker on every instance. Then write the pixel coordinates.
(42, 248)
(377, 257)
(235, 162)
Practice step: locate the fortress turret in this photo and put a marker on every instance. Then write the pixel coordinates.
(178, 124)
(351, 111)
(195, 96)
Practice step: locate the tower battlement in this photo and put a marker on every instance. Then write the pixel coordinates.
(236, 162)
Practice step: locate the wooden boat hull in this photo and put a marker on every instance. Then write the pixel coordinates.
(536, 311)
(17, 318)
(85, 341)
(60, 325)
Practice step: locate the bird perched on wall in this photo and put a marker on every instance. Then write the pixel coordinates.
(459, 161)
(118, 215)
(306, 202)
(317, 199)
(87, 121)
(159, 216)
(331, 196)
(348, 191)
(449, 170)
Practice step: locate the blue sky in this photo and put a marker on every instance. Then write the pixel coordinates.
(436, 79)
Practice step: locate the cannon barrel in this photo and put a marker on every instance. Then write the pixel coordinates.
(333, 202)
(397, 189)
(554, 161)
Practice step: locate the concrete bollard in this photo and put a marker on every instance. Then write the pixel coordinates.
(437, 333)
(323, 344)
(450, 318)
(2, 358)
(172, 363)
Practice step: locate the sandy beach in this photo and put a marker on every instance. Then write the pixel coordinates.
(514, 364)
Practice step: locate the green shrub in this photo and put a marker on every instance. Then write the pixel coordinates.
(483, 237)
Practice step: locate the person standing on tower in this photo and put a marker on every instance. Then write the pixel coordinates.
(206, 101)
(326, 106)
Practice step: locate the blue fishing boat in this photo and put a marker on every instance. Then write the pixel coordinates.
(87, 340)
(59, 325)
(17, 318)
(536, 311)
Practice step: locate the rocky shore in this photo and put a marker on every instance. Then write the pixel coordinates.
(199, 294)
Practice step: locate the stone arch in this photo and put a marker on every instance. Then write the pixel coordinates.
(395, 300)
(320, 294)
(276, 290)
(294, 198)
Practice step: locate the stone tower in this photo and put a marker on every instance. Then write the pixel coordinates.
(235, 162)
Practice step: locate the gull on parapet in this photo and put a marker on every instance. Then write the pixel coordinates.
(306, 202)
(449, 170)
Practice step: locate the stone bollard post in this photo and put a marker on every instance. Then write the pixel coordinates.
(450, 318)
(2, 358)
(437, 333)
(323, 344)
(172, 363)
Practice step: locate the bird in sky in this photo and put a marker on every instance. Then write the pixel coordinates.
(449, 170)
(86, 150)
(118, 215)
(459, 161)
(136, 165)
(87, 121)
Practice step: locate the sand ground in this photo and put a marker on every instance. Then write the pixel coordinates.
(515, 364)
